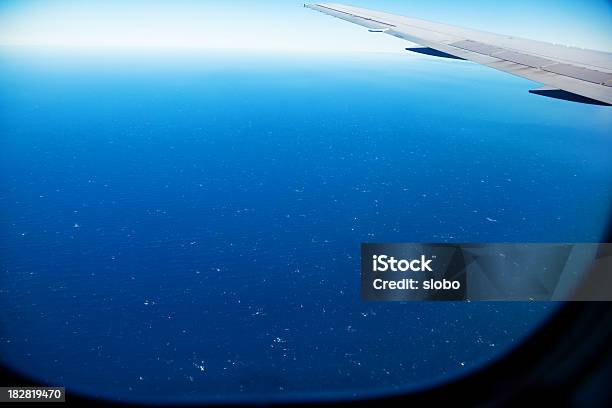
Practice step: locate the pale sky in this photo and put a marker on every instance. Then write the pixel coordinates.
(284, 24)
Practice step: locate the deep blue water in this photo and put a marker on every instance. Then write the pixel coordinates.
(190, 224)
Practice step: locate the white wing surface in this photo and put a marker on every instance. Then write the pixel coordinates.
(567, 72)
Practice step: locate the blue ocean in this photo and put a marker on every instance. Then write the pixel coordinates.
(187, 225)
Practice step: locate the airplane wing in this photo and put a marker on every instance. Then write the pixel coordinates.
(567, 72)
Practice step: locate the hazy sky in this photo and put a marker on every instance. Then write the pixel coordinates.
(285, 24)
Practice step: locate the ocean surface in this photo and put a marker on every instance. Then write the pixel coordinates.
(187, 225)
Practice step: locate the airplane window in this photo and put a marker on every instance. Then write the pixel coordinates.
(188, 228)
